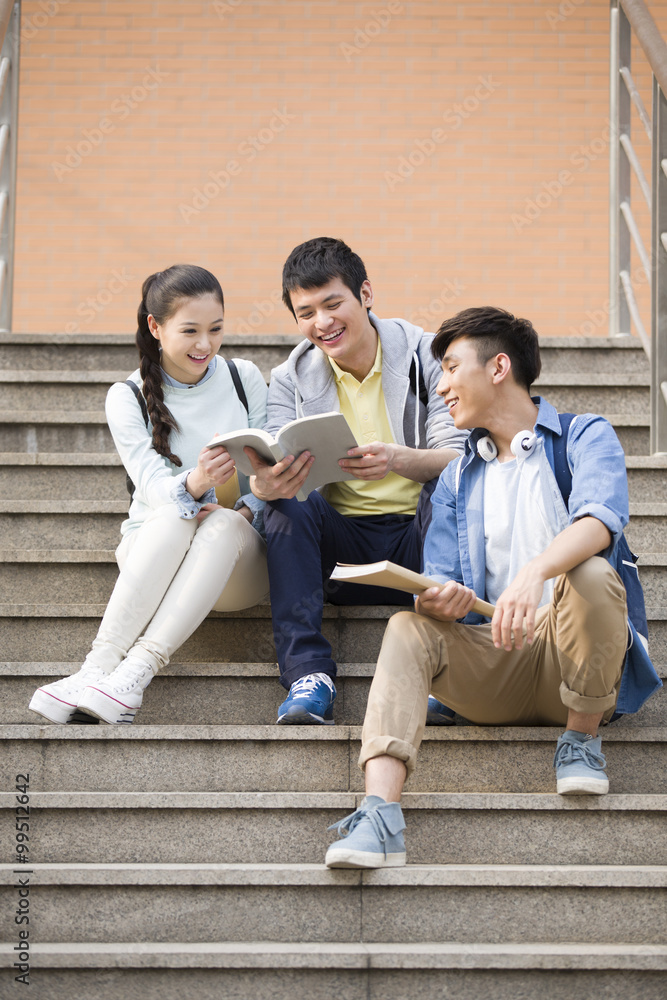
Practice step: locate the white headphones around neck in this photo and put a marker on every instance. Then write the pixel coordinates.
(522, 446)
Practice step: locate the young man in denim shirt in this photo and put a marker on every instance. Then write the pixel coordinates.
(558, 650)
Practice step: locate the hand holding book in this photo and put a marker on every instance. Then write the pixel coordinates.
(389, 574)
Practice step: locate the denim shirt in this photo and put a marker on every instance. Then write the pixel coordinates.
(454, 545)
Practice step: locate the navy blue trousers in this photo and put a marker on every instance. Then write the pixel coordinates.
(305, 540)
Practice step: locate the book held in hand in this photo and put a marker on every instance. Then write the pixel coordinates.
(327, 436)
(389, 574)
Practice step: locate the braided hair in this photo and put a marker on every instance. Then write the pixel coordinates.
(162, 294)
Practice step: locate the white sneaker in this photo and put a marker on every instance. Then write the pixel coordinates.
(58, 701)
(117, 697)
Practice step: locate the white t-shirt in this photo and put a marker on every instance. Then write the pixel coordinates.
(523, 513)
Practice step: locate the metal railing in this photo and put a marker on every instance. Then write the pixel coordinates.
(10, 29)
(628, 18)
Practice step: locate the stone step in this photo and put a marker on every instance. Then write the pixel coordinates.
(101, 474)
(89, 352)
(59, 475)
(246, 758)
(306, 971)
(29, 632)
(80, 575)
(244, 828)
(80, 524)
(592, 355)
(204, 903)
(118, 352)
(55, 431)
(230, 694)
(87, 431)
(41, 391)
(596, 393)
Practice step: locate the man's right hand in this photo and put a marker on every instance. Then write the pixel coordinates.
(281, 481)
(447, 603)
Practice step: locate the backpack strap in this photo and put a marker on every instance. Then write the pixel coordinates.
(144, 412)
(423, 391)
(562, 470)
(140, 399)
(238, 384)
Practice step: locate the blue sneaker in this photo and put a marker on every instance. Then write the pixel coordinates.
(309, 702)
(372, 837)
(438, 714)
(580, 765)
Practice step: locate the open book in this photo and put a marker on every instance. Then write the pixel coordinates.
(389, 574)
(327, 436)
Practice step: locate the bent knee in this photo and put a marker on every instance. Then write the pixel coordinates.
(596, 578)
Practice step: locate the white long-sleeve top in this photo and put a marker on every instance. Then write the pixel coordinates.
(201, 411)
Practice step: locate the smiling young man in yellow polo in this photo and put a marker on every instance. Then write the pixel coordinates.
(381, 375)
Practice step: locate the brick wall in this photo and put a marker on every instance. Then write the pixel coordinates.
(154, 132)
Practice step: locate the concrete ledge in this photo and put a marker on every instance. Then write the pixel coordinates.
(627, 380)
(282, 339)
(34, 376)
(272, 733)
(270, 955)
(30, 417)
(422, 801)
(62, 458)
(540, 876)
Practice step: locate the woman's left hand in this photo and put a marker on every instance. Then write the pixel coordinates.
(214, 467)
(206, 510)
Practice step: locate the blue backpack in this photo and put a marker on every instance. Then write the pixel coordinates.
(624, 562)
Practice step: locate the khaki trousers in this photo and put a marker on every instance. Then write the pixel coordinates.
(575, 661)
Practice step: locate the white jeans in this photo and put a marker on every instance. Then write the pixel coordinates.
(172, 573)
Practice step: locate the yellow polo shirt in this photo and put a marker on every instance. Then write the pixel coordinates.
(363, 406)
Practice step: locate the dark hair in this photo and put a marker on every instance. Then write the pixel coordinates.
(495, 331)
(316, 262)
(161, 295)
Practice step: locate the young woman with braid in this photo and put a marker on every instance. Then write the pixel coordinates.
(182, 553)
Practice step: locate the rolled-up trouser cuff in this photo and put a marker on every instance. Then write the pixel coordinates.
(380, 746)
(589, 706)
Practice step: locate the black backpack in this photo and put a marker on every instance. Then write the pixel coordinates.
(240, 392)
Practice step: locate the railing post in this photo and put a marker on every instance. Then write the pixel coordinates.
(659, 274)
(9, 105)
(619, 170)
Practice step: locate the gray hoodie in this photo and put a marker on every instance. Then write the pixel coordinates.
(305, 385)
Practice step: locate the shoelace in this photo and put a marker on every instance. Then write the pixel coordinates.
(130, 672)
(569, 753)
(304, 686)
(85, 674)
(347, 825)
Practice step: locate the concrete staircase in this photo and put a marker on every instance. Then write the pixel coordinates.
(182, 856)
